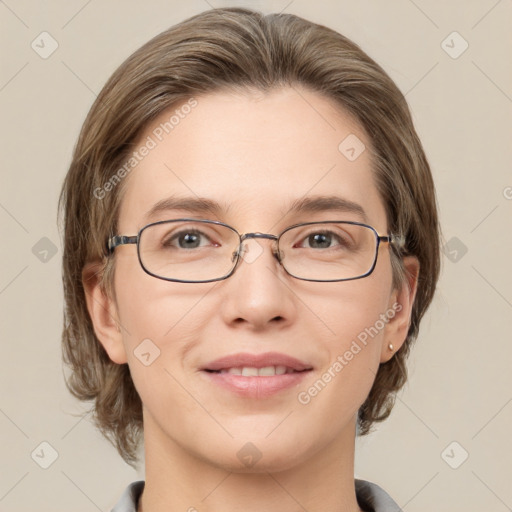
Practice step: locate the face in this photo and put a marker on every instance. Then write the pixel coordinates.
(254, 154)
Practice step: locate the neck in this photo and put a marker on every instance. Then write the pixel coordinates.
(179, 480)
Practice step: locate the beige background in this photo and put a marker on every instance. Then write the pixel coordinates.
(460, 386)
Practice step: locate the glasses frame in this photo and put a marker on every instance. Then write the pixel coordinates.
(118, 240)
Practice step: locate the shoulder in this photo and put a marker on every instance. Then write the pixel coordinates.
(373, 498)
(130, 498)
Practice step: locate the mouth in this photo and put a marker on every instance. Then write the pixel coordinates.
(254, 365)
(251, 371)
(256, 375)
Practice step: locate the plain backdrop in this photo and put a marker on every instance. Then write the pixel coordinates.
(447, 445)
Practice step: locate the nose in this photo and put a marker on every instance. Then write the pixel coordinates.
(258, 294)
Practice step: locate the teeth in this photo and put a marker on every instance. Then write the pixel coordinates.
(249, 372)
(267, 371)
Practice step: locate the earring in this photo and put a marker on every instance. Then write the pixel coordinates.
(390, 346)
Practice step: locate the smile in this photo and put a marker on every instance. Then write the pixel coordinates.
(249, 371)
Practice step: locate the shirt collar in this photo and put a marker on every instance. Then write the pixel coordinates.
(370, 496)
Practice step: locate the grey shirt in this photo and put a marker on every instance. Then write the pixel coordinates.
(371, 498)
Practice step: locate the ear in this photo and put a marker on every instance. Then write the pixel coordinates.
(401, 303)
(103, 312)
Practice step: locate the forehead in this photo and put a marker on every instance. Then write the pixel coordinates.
(253, 156)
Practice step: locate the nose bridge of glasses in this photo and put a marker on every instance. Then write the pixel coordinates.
(258, 235)
(248, 236)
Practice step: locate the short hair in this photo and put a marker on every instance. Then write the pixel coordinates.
(233, 49)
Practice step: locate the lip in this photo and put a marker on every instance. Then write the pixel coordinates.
(256, 387)
(257, 361)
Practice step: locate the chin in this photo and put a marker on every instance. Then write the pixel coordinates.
(260, 455)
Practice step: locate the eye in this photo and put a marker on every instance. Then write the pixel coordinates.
(319, 240)
(187, 239)
(324, 240)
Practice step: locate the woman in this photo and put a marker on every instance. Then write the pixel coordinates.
(250, 243)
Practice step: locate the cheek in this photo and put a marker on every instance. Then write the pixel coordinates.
(149, 307)
(160, 326)
(162, 321)
(138, 311)
(352, 309)
(357, 313)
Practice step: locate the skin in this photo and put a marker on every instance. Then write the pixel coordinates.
(254, 153)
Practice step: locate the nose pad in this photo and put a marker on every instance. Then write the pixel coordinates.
(250, 255)
(251, 252)
(242, 249)
(279, 255)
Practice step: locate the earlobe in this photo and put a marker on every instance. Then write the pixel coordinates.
(103, 312)
(401, 303)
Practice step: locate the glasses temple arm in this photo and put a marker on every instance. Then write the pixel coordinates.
(115, 241)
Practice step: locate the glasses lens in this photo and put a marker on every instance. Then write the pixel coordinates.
(188, 250)
(328, 251)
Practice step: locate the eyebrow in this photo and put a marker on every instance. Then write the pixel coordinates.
(331, 203)
(199, 205)
(204, 206)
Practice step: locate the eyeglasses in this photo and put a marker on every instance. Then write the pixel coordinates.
(201, 251)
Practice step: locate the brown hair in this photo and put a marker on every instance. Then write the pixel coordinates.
(233, 48)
